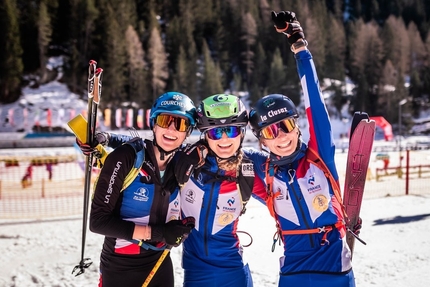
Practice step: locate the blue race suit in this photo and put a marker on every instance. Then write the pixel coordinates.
(212, 254)
(146, 200)
(306, 200)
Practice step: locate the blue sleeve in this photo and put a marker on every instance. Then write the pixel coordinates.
(117, 140)
(320, 132)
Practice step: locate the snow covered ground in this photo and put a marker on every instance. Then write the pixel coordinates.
(396, 229)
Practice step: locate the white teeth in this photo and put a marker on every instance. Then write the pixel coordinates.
(224, 146)
(285, 145)
(170, 137)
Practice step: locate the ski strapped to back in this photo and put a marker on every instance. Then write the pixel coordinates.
(360, 148)
(94, 93)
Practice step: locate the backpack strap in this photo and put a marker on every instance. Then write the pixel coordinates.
(270, 174)
(138, 146)
(245, 181)
(315, 159)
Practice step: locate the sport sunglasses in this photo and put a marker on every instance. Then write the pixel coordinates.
(272, 131)
(230, 131)
(165, 120)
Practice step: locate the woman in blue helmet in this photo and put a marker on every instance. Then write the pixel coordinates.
(305, 201)
(136, 202)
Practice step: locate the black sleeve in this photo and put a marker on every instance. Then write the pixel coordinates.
(105, 207)
(169, 180)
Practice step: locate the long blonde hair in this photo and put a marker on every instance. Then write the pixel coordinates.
(231, 164)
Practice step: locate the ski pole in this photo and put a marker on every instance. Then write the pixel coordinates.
(93, 91)
(157, 265)
(188, 221)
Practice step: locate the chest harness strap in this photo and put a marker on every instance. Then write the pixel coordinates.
(270, 171)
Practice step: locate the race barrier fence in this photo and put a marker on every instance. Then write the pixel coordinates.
(43, 187)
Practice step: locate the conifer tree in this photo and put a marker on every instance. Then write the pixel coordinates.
(11, 66)
(137, 86)
(395, 41)
(211, 83)
(365, 64)
(180, 76)
(44, 38)
(158, 64)
(113, 54)
(179, 33)
(277, 78)
(259, 75)
(248, 40)
(334, 67)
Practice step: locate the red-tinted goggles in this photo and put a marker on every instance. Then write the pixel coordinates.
(165, 120)
(272, 131)
(230, 131)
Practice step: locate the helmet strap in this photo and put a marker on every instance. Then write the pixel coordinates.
(163, 153)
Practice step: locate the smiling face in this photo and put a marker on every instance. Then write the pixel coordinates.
(224, 147)
(168, 138)
(284, 144)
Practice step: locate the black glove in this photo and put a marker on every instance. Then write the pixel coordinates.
(286, 23)
(173, 232)
(189, 160)
(99, 138)
(357, 227)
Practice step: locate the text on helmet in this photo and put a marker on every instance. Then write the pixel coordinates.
(271, 114)
(172, 103)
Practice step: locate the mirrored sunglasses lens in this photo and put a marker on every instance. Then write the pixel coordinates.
(232, 132)
(163, 121)
(180, 124)
(270, 132)
(288, 125)
(216, 133)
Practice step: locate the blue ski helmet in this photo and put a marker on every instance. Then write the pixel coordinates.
(173, 103)
(271, 109)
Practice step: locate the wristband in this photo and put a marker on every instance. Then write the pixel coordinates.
(299, 45)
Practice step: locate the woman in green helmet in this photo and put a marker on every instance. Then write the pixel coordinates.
(215, 194)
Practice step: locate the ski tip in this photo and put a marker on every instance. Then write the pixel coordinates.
(93, 62)
(362, 115)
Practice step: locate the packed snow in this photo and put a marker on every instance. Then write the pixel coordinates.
(395, 229)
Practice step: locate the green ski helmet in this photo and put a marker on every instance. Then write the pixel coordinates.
(221, 110)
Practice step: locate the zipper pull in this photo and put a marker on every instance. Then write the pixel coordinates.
(292, 174)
